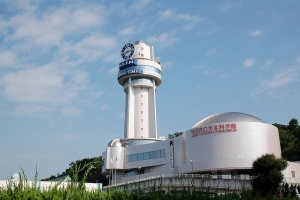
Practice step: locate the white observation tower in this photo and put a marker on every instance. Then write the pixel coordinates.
(139, 74)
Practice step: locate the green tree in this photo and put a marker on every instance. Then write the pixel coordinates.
(267, 169)
(290, 140)
(94, 174)
(174, 135)
(293, 124)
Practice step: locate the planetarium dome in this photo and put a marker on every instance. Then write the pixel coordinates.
(228, 117)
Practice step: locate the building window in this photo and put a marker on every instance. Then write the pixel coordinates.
(141, 112)
(163, 153)
(141, 120)
(293, 174)
(141, 104)
(142, 48)
(129, 158)
(130, 173)
(141, 129)
(146, 155)
(140, 156)
(152, 155)
(141, 95)
(158, 154)
(141, 88)
(134, 157)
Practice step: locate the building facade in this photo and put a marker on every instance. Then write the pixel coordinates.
(222, 145)
(139, 74)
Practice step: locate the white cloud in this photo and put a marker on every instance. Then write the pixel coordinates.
(68, 136)
(50, 27)
(7, 58)
(113, 71)
(167, 14)
(223, 76)
(229, 5)
(282, 78)
(271, 86)
(210, 32)
(188, 20)
(249, 62)
(104, 107)
(167, 65)
(70, 111)
(211, 52)
(45, 89)
(32, 109)
(267, 64)
(127, 31)
(163, 40)
(138, 5)
(90, 48)
(255, 33)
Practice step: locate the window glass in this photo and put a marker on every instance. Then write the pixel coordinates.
(152, 155)
(158, 155)
(140, 156)
(130, 173)
(134, 157)
(163, 153)
(146, 155)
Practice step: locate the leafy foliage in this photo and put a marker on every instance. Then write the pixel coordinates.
(77, 170)
(268, 174)
(290, 140)
(174, 135)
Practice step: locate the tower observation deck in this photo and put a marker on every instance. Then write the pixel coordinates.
(139, 74)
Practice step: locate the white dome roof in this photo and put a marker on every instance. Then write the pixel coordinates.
(228, 117)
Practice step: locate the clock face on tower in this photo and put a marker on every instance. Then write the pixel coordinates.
(127, 51)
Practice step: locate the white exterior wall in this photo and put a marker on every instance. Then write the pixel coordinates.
(214, 153)
(152, 113)
(141, 128)
(292, 166)
(140, 108)
(228, 150)
(140, 112)
(129, 115)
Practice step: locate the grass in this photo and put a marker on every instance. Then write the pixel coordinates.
(75, 191)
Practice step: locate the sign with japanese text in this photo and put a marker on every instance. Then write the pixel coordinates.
(216, 128)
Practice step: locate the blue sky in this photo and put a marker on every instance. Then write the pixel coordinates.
(60, 100)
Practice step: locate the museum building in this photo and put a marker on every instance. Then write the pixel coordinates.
(224, 144)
